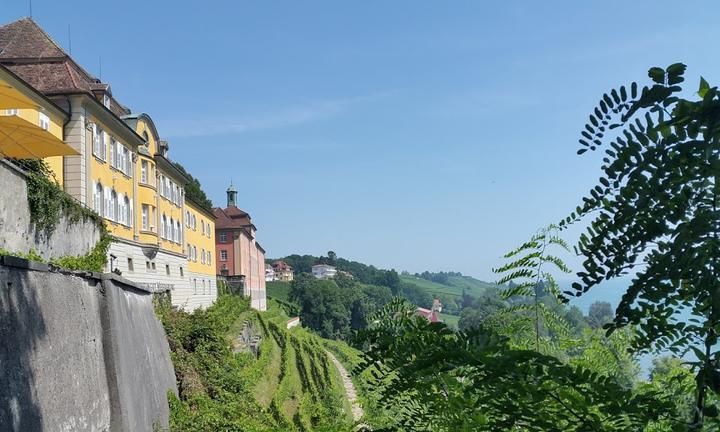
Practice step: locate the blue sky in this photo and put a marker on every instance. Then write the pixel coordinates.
(412, 135)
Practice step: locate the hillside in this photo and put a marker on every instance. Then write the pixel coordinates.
(291, 386)
(454, 287)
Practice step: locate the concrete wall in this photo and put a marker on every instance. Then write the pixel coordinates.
(80, 352)
(19, 235)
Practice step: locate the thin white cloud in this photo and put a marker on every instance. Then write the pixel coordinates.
(281, 118)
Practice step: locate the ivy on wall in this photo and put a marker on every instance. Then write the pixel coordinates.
(48, 204)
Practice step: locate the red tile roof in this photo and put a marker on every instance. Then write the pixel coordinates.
(25, 39)
(29, 52)
(281, 266)
(231, 218)
(430, 315)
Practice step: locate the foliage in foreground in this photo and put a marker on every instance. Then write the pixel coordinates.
(439, 380)
(655, 214)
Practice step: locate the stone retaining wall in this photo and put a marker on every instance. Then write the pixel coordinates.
(80, 352)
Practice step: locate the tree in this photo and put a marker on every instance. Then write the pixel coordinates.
(431, 378)
(528, 270)
(654, 213)
(331, 257)
(599, 314)
(484, 307)
(193, 189)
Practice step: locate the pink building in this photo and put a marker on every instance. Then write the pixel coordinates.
(237, 250)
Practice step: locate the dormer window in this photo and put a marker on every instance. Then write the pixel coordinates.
(44, 121)
(106, 101)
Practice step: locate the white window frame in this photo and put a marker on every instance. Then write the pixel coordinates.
(43, 121)
(144, 171)
(145, 216)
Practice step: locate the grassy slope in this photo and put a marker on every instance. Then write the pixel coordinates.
(292, 386)
(278, 290)
(294, 378)
(455, 285)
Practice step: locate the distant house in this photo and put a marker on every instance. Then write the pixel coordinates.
(323, 271)
(269, 273)
(432, 315)
(283, 272)
(346, 273)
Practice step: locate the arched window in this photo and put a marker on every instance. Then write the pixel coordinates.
(98, 199)
(209, 258)
(179, 232)
(113, 205)
(120, 214)
(172, 230)
(195, 253)
(202, 255)
(164, 227)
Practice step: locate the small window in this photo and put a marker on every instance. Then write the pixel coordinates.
(209, 258)
(167, 269)
(44, 121)
(130, 265)
(195, 286)
(12, 112)
(223, 255)
(223, 238)
(106, 101)
(147, 265)
(202, 256)
(144, 171)
(182, 272)
(153, 267)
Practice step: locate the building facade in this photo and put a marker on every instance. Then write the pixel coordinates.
(269, 273)
(323, 271)
(283, 271)
(119, 167)
(237, 250)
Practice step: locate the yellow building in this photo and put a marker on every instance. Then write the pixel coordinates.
(114, 162)
(200, 244)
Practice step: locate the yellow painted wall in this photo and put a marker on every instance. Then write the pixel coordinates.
(56, 128)
(148, 194)
(198, 239)
(111, 177)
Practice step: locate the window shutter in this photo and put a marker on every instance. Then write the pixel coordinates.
(107, 202)
(130, 213)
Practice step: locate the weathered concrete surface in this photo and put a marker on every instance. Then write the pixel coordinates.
(80, 354)
(17, 234)
(138, 359)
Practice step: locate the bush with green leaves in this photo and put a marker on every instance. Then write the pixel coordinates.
(434, 379)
